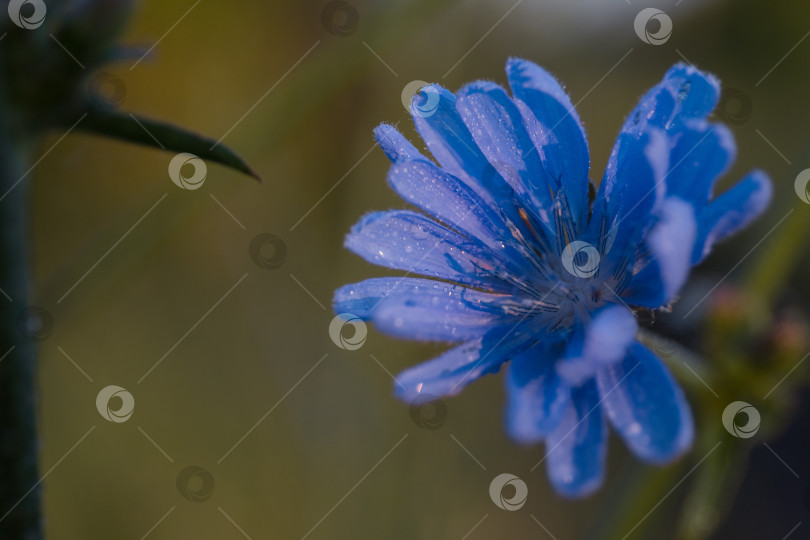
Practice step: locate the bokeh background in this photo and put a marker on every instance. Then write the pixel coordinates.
(327, 451)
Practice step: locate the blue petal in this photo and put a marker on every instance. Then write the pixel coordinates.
(365, 300)
(409, 241)
(555, 129)
(448, 138)
(451, 201)
(536, 395)
(646, 406)
(460, 314)
(684, 94)
(497, 128)
(575, 459)
(669, 246)
(631, 191)
(360, 299)
(395, 146)
(602, 341)
(731, 211)
(451, 372)
(700, 154)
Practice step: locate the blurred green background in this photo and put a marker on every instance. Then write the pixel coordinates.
(309, 139)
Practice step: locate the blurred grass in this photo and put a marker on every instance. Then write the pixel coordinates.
(302, 138)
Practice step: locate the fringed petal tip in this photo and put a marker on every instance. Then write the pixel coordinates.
(646, 406)
(576, 448)
(732, 211)
(394, 144)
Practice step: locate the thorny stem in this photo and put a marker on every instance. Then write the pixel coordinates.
(20, 509)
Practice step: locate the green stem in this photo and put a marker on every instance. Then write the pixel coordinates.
(636, 513)
(20, 511)
(713, 487)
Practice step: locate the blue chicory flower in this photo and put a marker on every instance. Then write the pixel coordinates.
(523, 265)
